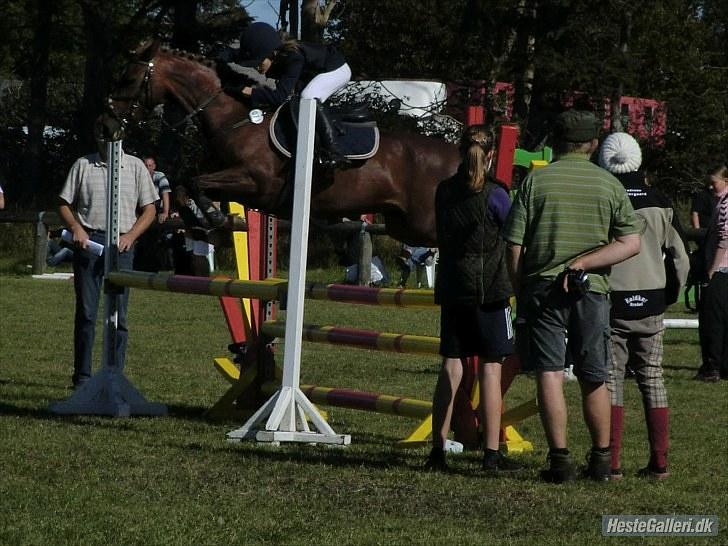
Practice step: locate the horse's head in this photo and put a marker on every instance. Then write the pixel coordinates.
(157, 74)
(134, 92)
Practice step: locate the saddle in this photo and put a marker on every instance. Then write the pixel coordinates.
(357, 132)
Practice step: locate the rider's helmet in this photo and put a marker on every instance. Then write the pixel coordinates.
(257, 42)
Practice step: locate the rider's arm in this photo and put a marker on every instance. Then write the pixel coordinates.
(290, 72)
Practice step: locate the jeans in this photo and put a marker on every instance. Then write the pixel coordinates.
(88, 274)
(58, 254)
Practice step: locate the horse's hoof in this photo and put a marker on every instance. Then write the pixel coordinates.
(215, 217)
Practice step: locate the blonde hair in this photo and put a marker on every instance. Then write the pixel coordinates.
(289, 45)
(721, 171)
(476, 144)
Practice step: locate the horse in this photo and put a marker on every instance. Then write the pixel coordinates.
(399, 181)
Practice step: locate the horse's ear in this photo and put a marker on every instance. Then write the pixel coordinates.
(147, 49)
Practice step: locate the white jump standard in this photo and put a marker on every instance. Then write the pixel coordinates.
(287, 412)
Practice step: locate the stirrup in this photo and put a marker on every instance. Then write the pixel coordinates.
(330, 161)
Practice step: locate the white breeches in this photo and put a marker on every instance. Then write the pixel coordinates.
(326, 84)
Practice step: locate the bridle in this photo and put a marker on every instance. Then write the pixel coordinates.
(144, 92)
(143, 97)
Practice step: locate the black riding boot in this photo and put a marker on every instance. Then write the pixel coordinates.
(329, 152)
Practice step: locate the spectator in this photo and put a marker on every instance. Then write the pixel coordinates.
(638, 304)
(83, 210)
(412, 257)
(714, 306)
(152, 251)
(57, 253)
(473, 290)
(163, 189)
(702, 207)
(196, 228)
(570, 221)
(2, 198)
(701, 213)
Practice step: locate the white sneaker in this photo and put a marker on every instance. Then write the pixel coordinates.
(451, 446)
(569, 373)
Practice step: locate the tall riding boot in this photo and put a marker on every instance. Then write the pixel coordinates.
(329, 152)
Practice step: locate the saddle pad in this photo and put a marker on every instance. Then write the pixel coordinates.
(358, 141)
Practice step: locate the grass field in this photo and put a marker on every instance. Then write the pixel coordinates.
(175, 480)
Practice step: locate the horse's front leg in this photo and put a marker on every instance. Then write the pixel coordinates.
(233, 181)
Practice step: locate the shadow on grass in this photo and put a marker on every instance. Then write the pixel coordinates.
(189, 413)
(466, 466)
(19, 411)
(676, 367)
(45, 414)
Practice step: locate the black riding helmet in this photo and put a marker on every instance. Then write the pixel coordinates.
(257, 42)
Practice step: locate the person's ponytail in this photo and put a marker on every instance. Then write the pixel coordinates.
(476, 144)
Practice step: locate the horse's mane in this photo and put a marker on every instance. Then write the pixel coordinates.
(243, 76)
(165, 48)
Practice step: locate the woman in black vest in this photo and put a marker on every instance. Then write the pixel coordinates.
(473, 290)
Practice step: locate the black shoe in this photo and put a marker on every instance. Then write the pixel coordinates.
(599, 466)
(561, 469)
(436, 461)
(653, 473)
(498, 463)
(707, 377)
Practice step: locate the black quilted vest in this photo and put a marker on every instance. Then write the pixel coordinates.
(472, 263)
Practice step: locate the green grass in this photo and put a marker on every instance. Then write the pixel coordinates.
(175, 480)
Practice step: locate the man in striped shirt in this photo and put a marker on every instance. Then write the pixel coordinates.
(569, 218)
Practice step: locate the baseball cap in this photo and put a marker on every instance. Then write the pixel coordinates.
(576, 126)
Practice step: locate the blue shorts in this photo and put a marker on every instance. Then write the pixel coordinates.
(482, 330)
(551, 315)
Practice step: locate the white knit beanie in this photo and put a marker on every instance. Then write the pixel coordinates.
(620, 153)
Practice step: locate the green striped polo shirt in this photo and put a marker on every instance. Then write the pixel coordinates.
(566, 209)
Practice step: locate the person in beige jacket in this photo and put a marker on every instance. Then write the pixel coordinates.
(639, 300)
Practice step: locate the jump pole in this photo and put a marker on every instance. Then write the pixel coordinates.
(109, 392)
(284, 417)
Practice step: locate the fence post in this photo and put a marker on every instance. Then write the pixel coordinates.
(40, 246)
(364, 267)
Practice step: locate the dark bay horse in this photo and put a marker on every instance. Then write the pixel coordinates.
(399, 181)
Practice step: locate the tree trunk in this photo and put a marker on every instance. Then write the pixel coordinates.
(314, 19)
(97, 72)
(38, 101)
(525, 47)
(184, 35)
(625, 34)
(289, 13)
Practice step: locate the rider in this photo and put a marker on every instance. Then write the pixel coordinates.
(319, 69)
